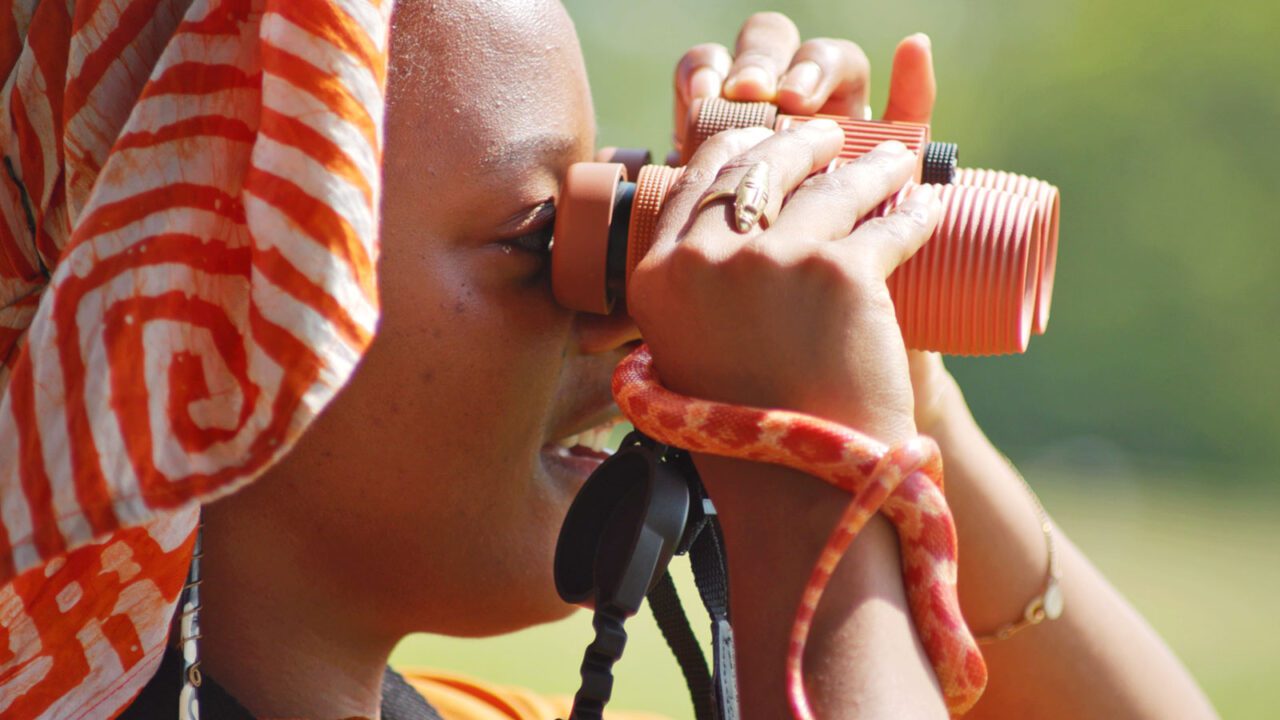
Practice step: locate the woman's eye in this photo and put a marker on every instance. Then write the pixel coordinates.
(538, 241)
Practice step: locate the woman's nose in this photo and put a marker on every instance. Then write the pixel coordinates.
(603, 333)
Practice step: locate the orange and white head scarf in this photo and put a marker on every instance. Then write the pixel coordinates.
(188, 234)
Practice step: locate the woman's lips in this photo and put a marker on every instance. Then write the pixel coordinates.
(571, 464)
(572, 459)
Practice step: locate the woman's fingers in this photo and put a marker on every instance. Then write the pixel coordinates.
(891, 240)
(699, 173)
(699, 74)
(790, 156)
(720, 164)
(828, 205)
(826, 75)
(762, 54)
(912, 86)
(823, 75)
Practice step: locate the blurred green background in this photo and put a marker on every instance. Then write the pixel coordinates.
(1149, 415)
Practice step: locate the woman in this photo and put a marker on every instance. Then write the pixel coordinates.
(428, 496)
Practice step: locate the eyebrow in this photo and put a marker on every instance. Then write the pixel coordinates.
(527, 150)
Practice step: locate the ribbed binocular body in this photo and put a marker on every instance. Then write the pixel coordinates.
(981, 285)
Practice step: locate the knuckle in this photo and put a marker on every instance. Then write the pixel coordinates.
(739, 165)
(728, 143)
(751, 257)
(881, 169)
(899, 228)
(825, 264)
(918, 221)
(824, 51)
(751, 265)
(759, 58)
(640, 286)
(861, 273)
(695, 176)
(875, 162)
(851, 51)
(690, 262)
(834, 186)
(796, 147)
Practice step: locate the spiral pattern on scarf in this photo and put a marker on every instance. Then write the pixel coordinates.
(187, 276)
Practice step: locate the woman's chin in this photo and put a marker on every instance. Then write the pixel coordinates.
(511, 622)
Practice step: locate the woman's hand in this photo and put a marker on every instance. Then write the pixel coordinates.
(770, 63)
(1097, 660)
(826, 75)
(822, 75)
(797, 316)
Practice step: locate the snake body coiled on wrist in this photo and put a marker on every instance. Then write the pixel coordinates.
(904, 482)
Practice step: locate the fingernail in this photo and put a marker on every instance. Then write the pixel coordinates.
(704, 83)
(892, 147)
(751, 75)
(921, 195)
(803, 78)
(917, 203)
(925, 38)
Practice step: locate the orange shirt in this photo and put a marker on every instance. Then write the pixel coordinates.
(458, 697)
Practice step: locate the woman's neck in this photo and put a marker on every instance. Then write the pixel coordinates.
(281, 642)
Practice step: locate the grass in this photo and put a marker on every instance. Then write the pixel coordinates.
(1200, 564)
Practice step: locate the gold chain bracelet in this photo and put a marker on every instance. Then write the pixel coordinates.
(1048, 604)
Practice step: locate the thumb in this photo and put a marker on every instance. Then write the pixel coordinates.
(912, 86)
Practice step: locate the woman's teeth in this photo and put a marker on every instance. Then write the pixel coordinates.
(593, 439)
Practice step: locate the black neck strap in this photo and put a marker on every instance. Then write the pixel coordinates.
(645, 504)
(717, 697)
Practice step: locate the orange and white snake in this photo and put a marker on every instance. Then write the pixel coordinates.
(903, 482)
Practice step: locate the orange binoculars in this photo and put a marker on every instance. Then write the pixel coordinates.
(981, 285)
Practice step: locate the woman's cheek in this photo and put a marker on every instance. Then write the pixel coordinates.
(502, 346)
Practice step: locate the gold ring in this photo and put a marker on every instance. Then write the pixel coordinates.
(750, 199)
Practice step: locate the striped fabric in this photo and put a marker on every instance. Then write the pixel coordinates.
(188, 214)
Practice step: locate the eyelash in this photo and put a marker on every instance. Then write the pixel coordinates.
(538, 241)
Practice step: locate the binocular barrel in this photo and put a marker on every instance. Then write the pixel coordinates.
(981, 285)
(936, 161)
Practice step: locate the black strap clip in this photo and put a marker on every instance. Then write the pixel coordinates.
(643, 505)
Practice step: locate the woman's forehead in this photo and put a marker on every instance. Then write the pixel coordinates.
(484, 76)
(462, 39)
